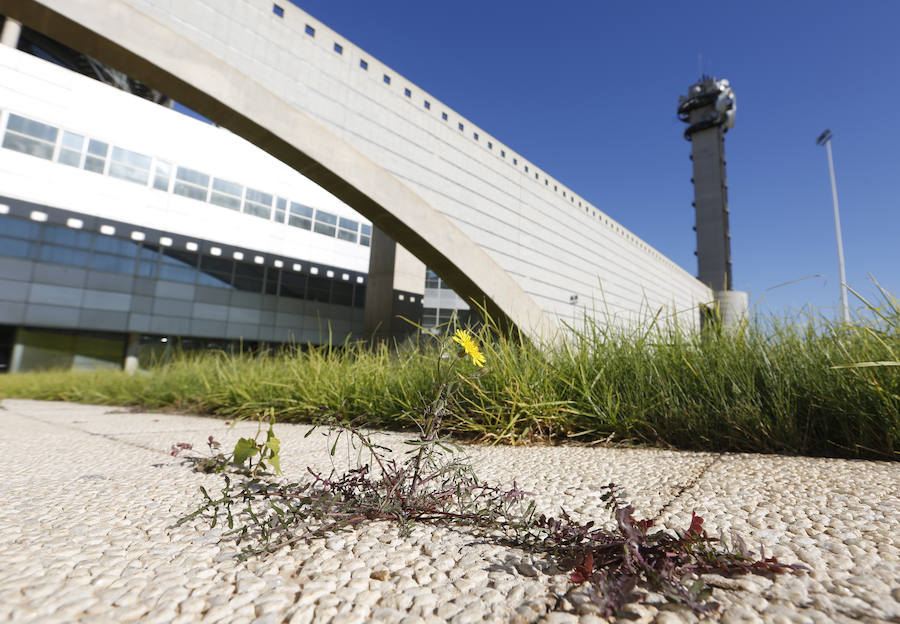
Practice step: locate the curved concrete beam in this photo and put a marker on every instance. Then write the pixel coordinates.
(125, 38)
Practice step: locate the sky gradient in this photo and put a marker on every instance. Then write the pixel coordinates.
(588, 91)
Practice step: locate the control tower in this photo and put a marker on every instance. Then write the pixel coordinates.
(709, 109)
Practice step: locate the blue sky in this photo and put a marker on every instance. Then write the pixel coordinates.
(588, 90)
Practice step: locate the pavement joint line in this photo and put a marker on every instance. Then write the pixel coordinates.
(684, 488)
(91, 433)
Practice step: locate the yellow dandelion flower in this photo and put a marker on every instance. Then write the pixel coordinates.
(463, 339)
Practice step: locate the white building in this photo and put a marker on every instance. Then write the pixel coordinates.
(125, 223)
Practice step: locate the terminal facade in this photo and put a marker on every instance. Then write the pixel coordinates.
(127, 227)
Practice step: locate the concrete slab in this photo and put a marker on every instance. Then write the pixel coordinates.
(90, 497)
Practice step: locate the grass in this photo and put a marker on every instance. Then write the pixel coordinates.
(813, 388)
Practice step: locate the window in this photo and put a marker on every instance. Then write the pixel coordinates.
(460, 126)
(490, 145)
(162, 173)
(72, 150)
(95, 160)
(226, 194)
(515, 161)
(293, 285)
(248, 277)
(325, 223)
(310, 31)
(277, 10)
(407, 92)
(427, 104)
(502, 153)
(526, 168)
(444, 116)
(59, 235)
(365, 236)
(387, 79)
(431, 279)
(215, 271)
(280, 209)
(30, 137)
(300, 216)
(258, 204)
(178, 266)
(63, 255)
(147, 259)
(190, 183)
(130, 166)
(475, 134)
(363, 64)
(348, 230)
(338, 48)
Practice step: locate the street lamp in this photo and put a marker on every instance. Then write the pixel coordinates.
(825, 139)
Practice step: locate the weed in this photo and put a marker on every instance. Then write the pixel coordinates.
(436, 484)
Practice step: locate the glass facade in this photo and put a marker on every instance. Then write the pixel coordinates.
(60, 244)
(35, 138)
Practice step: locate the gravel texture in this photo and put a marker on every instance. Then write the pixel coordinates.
(89, 498)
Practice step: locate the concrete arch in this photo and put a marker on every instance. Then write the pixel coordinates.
(116, 33)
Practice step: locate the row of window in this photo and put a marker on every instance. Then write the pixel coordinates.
(50, 143)
(74, 247)
(386, 78)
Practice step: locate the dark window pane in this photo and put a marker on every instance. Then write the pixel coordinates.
(215, 272)
(98, 148)
(301, 210)
(319, 289)
(300, 222)
(327, 230)
(248, 277)
(216, 280)
(347, 236)
(272, 281)
(67, 236)
(64, 255)
(366, 229)
(359, 295)
(348, 224)
(293, 285)
(16, 247)
(92, 163)
(342, 293)
(365, 241)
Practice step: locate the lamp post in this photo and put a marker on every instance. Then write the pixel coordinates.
(825, 139)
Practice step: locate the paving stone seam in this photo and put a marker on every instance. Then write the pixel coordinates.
(688, 486)
(90, 433)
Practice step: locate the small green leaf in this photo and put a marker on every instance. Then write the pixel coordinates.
(244, 450)
(275, 460)
(273, 444)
